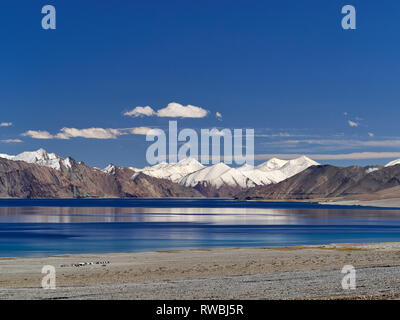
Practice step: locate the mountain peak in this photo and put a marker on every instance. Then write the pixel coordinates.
(303, 159)
(189, 161)
(40, 157)
(110, 169)
(272, 164)
(172, 171)
(393, 163)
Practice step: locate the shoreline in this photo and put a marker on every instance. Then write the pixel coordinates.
(298, 272)
(391, 203)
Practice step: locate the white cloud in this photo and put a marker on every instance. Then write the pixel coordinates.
(176, 110)
(89, 133)
(6, 124)
(352, 123)
(140, 111)
(371, 134)
(218, 115)
(37, 134)
(281, 134)
(172, 110)
(12, 141)
(338, 143)
(144, 131)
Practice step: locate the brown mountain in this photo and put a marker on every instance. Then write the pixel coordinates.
(325, 181)
(225, 191)
(19, 179)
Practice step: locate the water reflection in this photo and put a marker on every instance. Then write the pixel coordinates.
(43, 230)
(224, 216)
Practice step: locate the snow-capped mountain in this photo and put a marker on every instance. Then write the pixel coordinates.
(393, 163)
(217, 175)
(188, 177)
(272, 164)
(189, 172)
(277, 170)
(40, 157)
(272, 171)
(172, 171)
(110, 169)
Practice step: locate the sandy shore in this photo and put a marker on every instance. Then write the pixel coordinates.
(384, 203)
(303, 272)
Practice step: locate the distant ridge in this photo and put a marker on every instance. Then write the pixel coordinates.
(187, 177)
(190, 172)
(326, 181)
(40, 174)
(40, 157)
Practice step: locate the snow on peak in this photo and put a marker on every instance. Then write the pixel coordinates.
(189, 161)
(110, 169)
(6, 156)
(172, 171)
(276, 170)
(246, 167)
(272, 164)
(40, 157)
(369, 170)
(190, 172)
(67, 162)
(302, 161)
(393, 163)
(217, 175)
(291, 168)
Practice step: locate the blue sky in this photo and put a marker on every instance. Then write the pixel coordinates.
(285, 68)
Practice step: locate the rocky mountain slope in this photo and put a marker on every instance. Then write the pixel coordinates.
(329, 182)
(71, 179)
(221, 180)
(172, 171)
(40, 157)
(39, 174)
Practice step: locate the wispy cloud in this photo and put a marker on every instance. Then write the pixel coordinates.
(37, 134)
(6, 124)
(11, 141)
(88, 133)
(140, 112)
(352, 123)
(338, 143)
(172, 110)
(144, 131)
(342, 156)
(279, 135)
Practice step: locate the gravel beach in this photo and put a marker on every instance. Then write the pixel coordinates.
(301, 272)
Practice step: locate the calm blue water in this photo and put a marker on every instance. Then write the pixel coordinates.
(48, 227)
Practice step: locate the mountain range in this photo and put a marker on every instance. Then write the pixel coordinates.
(330, 182)
(40, 174)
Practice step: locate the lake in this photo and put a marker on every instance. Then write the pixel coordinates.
(48, 227)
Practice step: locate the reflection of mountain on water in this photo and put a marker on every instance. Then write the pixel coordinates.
(40, 230)
(286, 214)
